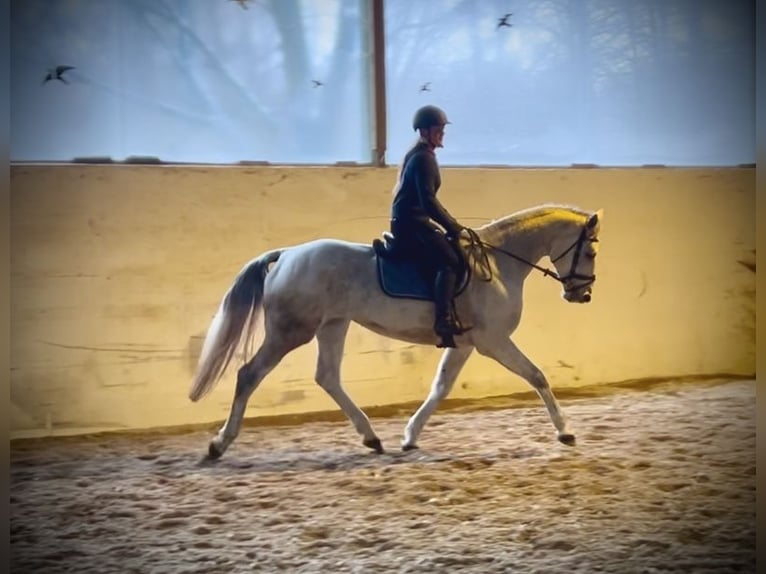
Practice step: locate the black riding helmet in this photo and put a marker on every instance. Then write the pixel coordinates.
(429, 116)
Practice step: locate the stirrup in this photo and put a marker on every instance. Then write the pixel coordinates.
(461, 328)
(446, 341)
(454, 327)
(447, 331)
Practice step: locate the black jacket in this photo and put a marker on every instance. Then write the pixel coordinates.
(415, 199)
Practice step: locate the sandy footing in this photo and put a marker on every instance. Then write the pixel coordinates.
(660, 481)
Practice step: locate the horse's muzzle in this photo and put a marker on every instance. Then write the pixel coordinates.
(578, 296)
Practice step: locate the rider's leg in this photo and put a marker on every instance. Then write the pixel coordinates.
(445, 324)
(444, 290)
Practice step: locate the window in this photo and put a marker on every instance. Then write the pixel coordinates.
(610, 82)
(191, 80)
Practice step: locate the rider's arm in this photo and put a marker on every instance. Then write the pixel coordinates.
(426, 172)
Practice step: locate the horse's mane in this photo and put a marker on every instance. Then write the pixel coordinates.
(534, 217)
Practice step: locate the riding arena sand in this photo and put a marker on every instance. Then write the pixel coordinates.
(662, 479)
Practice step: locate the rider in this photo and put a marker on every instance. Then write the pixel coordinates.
(416, 212)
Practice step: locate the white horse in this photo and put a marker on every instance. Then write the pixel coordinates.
(316, 289)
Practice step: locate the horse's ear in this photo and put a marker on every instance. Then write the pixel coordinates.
(595, 219)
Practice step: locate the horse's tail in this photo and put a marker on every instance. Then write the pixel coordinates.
(239, 308)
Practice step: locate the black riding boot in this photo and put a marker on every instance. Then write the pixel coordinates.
(446, 324)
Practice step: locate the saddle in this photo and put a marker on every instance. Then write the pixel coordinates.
(401, 275)
(387, 247)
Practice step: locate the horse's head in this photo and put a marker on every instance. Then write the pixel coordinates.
(574, 256)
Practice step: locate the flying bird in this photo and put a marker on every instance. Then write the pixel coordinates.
(503, 22)
(317, 83)
(242, 3)
(426, 87)
(57, 73)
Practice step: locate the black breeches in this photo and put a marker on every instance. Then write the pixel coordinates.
(428, 245)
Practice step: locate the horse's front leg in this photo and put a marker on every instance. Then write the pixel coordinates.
(450, 364)
(505, 352)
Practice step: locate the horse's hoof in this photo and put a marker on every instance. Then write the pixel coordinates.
(374, 444)
(214, 452)
(408, 447)
(567, 438)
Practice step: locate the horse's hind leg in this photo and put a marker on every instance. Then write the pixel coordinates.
(279, 341)
(449, 366)
(249, 377)
(505, 352)
(331, 338)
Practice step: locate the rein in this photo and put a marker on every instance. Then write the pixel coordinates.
(476, 244)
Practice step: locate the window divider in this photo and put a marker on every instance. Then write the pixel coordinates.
(378, 91)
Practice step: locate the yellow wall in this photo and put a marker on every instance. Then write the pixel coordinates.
(117, 270)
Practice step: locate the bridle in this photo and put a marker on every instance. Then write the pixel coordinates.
(572, 275)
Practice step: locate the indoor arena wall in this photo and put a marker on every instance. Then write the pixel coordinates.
(116, 271)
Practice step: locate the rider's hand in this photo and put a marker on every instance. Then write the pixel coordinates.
(457, 234)
(462, 233)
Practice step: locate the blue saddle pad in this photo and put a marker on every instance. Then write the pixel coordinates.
(402, 278)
